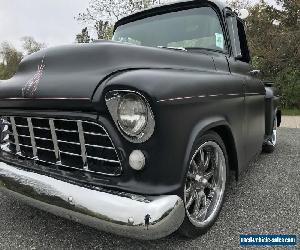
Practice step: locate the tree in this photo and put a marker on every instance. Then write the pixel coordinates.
(104, 30)
(10, 60)
(30, 45)
(84, 36)
(238, 4)
(102, 14)
(113, 10)
(273, 36)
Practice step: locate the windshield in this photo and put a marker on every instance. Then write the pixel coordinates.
(192, 28)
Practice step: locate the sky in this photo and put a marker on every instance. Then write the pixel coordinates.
(48, 21)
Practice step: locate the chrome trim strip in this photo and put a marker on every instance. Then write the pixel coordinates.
(42, 139)
(98, 146)
(247, 94)
(22, 126)
(66, 131)
(41, 128)
(96, 134)
(46, 98)
(192, 97)
(55, 143)
(13, 125)
(25, 136)
(115, 212)
(29, 146)
(69, 153)
(102, 159)
(34, 148)
(60, 165)
(82, 145)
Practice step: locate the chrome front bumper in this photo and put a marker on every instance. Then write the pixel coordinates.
(119, 213)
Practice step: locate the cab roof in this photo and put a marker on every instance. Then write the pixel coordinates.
(162, 8)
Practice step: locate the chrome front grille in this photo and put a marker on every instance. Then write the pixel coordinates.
(61, 143)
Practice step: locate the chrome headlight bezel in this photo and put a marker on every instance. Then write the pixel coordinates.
(113, 100)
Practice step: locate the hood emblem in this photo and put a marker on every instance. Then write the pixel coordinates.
(30, 88)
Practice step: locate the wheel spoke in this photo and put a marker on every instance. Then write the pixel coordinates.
(191, 200)
(216, 157)
(190, 176)
(196, 167)
(208, 175)
(187, 191)
(202, 157)
(207, 161)
(194, 164)
(203, 211)
(213, 200)
(200, 198)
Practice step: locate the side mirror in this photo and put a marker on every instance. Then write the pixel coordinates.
(255, 72)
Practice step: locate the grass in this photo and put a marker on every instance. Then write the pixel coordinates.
(291, 112)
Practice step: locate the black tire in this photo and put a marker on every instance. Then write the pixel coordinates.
(268, 148)
(269, 145)
(188, 229)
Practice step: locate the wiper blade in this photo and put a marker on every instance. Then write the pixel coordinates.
(173, 48)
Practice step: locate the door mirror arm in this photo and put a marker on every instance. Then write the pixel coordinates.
(255, 72)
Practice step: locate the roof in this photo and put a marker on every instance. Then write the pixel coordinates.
(220, 4)
(153, 10)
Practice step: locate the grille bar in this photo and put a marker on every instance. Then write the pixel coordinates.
(55, 143)
(82, 145)
(34, 148)
(15, 133)
(70, 144)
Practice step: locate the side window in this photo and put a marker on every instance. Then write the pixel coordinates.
(238, 39)
(243, 42)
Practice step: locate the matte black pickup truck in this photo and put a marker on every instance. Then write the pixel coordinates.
(137, 135)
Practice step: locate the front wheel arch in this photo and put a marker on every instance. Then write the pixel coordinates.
(222, 128)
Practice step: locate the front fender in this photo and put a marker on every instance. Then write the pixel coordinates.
(185, 105)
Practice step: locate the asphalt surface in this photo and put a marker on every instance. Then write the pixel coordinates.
(266, 200)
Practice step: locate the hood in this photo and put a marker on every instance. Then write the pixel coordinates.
(75, 71)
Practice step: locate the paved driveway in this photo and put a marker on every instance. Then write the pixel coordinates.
(265, 200)
(291, 121)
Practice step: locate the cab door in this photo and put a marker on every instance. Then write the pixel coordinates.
(254, 90)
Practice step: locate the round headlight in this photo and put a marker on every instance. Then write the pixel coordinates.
(132, 114)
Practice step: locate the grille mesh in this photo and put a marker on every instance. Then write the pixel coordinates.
(72, 144)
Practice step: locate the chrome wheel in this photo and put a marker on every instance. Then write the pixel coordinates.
(205, 184)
